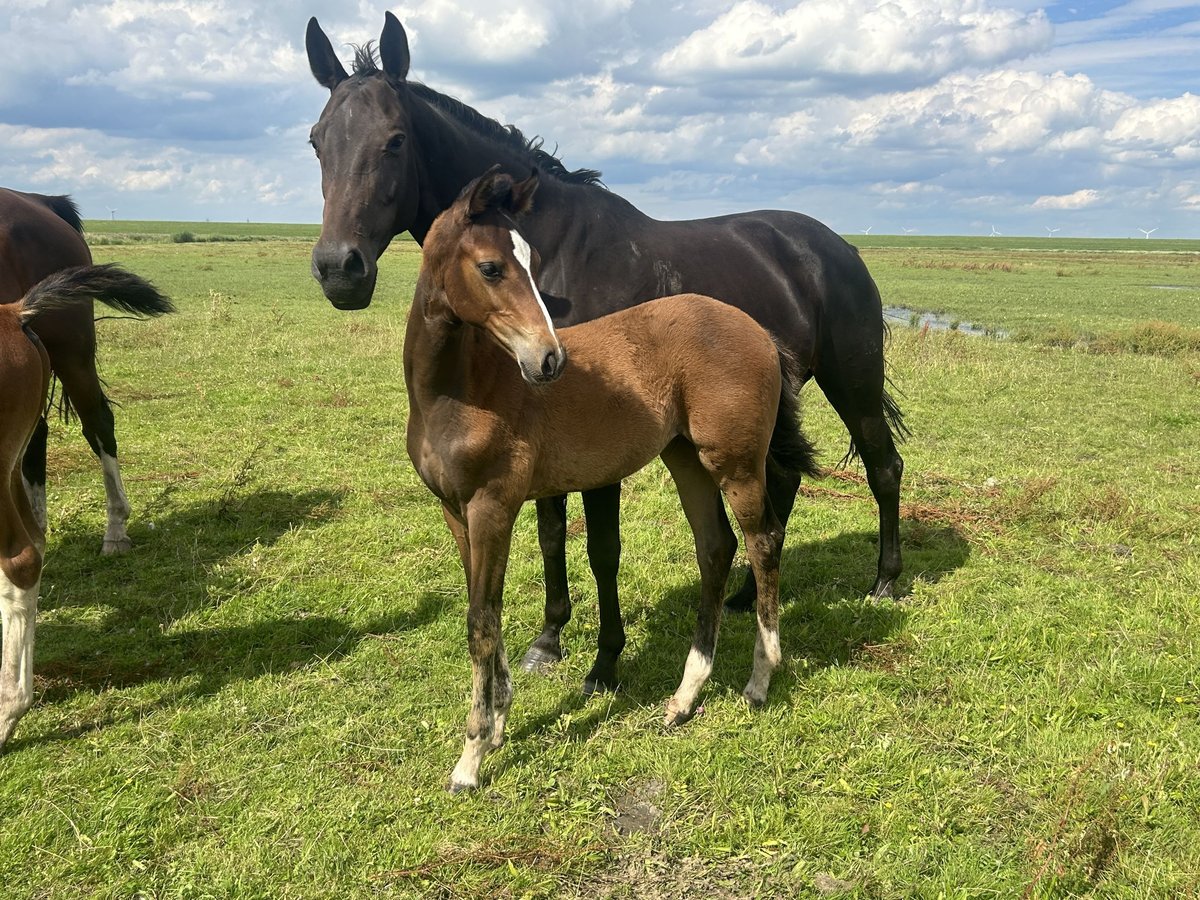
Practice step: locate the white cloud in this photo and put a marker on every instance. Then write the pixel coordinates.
(831, 41)
(1077, 200)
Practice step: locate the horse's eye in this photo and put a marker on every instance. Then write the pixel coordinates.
(489, 270)
(313, 144)
(394, 145)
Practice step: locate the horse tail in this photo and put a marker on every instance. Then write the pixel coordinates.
(790, 450)
(66, 209)
(109, 284)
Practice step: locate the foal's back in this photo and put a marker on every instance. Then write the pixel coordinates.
(685, 365)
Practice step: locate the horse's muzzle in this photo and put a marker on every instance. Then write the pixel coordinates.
(346, 275)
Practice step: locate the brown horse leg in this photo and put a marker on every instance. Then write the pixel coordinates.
(715, 548)
(546, 650)
(781, 488)
(82, 386)
(488, 530)
(21, 544)
(33, 473)
(763, 532)
(602, 510)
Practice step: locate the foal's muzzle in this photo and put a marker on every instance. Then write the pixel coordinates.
(543, 366)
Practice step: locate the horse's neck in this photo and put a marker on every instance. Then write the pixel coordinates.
(451, 155)
(444, 360)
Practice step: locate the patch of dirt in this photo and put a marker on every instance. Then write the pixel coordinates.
(637, 812)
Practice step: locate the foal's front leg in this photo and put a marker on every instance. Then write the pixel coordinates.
(487, 536)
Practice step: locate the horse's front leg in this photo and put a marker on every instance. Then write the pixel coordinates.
(602, 510)
(488, 536)
(546, 649)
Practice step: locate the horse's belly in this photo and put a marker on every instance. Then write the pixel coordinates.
(607, 453)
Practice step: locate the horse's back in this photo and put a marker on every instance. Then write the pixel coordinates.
(38, 236)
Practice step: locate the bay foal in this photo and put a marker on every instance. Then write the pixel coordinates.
(687, 378)
(24, 381)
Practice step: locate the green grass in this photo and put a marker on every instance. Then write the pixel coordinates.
(264, 699)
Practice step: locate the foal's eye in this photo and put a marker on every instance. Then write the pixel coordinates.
(394, 145)
(489, 270)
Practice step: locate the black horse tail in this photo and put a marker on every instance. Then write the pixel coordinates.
(790, 450)
(109, 284)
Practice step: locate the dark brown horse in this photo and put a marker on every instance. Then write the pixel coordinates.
(24, 382)
(41, 235)
(685, 377)
(395, 153)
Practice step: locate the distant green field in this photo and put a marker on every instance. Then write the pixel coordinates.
(264, 699)
(105, 231)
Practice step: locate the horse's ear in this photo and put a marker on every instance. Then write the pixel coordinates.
(522, 194)
(393, 48)
(325, 65)
(487, 191)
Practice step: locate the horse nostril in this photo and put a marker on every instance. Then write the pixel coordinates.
(549, 364)
(354, 265)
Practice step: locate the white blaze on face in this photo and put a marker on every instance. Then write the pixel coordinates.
(524, 255)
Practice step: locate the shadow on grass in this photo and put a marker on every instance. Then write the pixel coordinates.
(826, 620)
(176, 569)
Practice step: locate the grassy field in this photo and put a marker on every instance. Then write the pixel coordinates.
(264, 699)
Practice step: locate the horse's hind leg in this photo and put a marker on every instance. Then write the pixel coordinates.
(33, 473)
(82, 386)
(715, 547)
(863, 412)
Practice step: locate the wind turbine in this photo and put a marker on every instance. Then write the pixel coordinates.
(1050, 232)
(1147, 233)
(907, 230)
(867, 230)
(994, 233)
(112, 213)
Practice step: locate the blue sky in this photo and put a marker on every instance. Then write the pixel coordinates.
(931, 116)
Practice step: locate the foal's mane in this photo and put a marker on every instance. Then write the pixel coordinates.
(366, 65)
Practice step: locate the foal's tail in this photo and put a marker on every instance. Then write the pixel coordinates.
(790, 449)
(109, 284)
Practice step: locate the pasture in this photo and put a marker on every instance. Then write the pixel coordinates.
(264, 698)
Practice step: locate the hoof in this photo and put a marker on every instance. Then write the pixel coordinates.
(598, 686)
(884, 588)
(455, 787)
(116, 548)
(538, 660)
(755, 701)
(677, 715)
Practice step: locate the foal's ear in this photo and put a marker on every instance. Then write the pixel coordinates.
(522, 194)
(325, 65)
(488, 191)
(393, 48)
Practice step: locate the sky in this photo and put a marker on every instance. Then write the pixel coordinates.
(1078, 118)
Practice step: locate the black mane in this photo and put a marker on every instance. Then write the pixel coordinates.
(366, 65)
(64, 207)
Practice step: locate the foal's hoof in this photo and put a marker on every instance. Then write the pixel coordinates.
(754, 699)
(117, 547)
(539, 660)
(456, 787)
(677, 715)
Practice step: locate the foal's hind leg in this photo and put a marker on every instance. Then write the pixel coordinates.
(781, 488)
(715, 547)
(21, 545)
(764, 544)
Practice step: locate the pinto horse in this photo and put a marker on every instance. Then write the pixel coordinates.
(687, 378)
(395, 153)
(24, 382)
(41, 235)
